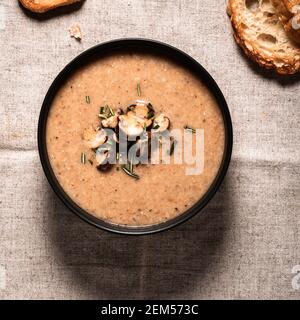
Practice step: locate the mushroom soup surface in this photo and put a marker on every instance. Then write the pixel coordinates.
(134, 94)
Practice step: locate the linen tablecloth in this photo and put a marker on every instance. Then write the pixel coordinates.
(245, 244)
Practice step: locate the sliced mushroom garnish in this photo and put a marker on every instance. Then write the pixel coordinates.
(161, 123)
(142, 111)
(111, 122)
(94, 138)
(110, 117)
(130, 114)
(141, 120)
(130, 125)
(136, 124)
(141, 108)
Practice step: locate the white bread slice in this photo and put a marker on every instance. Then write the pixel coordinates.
(260, 33)
(41, 6)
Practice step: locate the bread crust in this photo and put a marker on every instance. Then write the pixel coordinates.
(287, 65)
(45, 5)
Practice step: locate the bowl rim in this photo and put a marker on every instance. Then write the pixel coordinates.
(155, 46)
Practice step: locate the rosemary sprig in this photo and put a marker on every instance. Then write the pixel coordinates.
(112, 113)
(101, 110)
(190, 129)
(105, 112)
(83, 158)
(138, 87)
(88, 99)
(129, 173)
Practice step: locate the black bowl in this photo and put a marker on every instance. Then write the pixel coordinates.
(149, 46)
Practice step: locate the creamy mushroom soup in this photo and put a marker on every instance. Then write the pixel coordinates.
(133, 93)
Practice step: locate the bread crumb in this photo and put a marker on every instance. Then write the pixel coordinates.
(75, 32)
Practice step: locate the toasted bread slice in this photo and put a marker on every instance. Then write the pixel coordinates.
(260, 33)
(289, 14)
(41, 6)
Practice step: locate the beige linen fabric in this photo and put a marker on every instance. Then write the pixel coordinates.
(247, 240)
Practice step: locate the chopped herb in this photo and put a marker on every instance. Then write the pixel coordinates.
(106, 112)
(101, 111)
(156, 127)
(112, 113)
(190, 129)
(102, 116)
(150, 114)
(131, 174)
(83, 158)
(88, 99)
(138, 89)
